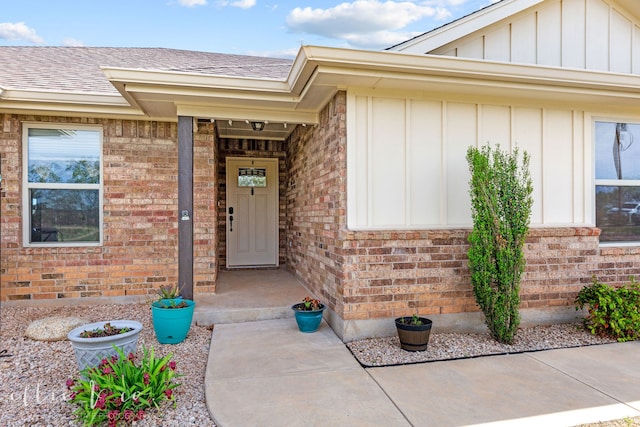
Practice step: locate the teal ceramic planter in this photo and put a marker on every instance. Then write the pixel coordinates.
(307, 320)
(172, 325)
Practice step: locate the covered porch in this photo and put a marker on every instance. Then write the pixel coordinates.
(249, 295)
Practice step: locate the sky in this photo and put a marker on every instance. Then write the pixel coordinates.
(275, 28)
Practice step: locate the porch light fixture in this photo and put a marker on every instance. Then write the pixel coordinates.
(257, 126)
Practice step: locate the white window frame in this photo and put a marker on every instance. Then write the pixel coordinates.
(610, 182)
(27, 186)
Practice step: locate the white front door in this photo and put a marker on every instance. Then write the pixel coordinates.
(252, 212)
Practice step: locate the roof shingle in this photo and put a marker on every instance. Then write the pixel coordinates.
(77, 69)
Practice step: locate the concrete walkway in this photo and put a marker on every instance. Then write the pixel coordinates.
(267, 373)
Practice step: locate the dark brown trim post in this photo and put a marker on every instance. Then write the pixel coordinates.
(185, 206)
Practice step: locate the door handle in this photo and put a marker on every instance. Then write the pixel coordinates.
(230, 222)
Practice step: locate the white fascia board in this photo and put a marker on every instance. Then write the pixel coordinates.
(47, 96)
(464, 26)
(385, 64)
(82, 104)
(301, 70)
(180, 91)
(158, 78)
(72, 110)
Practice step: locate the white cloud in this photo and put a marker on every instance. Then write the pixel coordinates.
(192, 3)
(285, 53)
(18, 31)
(364, 23)
(69, 41)
(379, 38)
(242, 4)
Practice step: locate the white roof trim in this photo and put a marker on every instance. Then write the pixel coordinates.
(43, 95)
(462, 27)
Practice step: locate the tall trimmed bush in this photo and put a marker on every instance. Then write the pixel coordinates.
(501, 200)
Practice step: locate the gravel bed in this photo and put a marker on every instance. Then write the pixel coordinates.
(32, 380)
(445, 346)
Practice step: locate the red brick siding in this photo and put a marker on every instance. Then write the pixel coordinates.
(316, 197)
(205, 201)
(617, 264)
(395, 273)
(139, 252)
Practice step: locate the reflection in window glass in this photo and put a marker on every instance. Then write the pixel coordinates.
(252, 177)
(62, 174)
(65, 216)
(617, 166)
(618, 213)
(64, 156)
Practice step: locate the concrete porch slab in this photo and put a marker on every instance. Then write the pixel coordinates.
(249, 295)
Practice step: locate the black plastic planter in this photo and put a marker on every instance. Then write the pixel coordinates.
(413, 337)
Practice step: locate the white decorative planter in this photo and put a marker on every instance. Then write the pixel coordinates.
(90, 351)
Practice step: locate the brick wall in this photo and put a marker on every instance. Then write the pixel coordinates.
(205, 200)
(250, 148)
(395, 273)
(316, 197)
(139, 252)
(617, 264)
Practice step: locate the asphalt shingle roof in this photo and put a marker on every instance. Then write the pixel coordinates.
(77, 69)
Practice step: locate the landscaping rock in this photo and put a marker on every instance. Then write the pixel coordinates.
(53, 328)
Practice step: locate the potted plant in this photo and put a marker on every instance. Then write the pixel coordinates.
(122, 388)
(172, 316)
(95, 341)
(413, 332)
(168, 294)
(308, 314)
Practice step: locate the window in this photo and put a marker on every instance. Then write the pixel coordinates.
(63, 192)
(617, 157)
(252, 177)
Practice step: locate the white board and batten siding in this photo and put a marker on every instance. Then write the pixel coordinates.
(584, 34)
(407, 165)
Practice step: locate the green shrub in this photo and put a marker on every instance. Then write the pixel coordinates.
(121, 388)
(613, 311)
(501, 209)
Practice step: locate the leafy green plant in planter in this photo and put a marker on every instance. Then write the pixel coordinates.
(613, 311)
(121, 388)
(171, 315)
(413, 332)
(308, 314)
(168, 292)
(413, 320)
(501, 201)
(108, 330)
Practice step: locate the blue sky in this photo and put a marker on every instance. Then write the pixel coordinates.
(253, 27)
